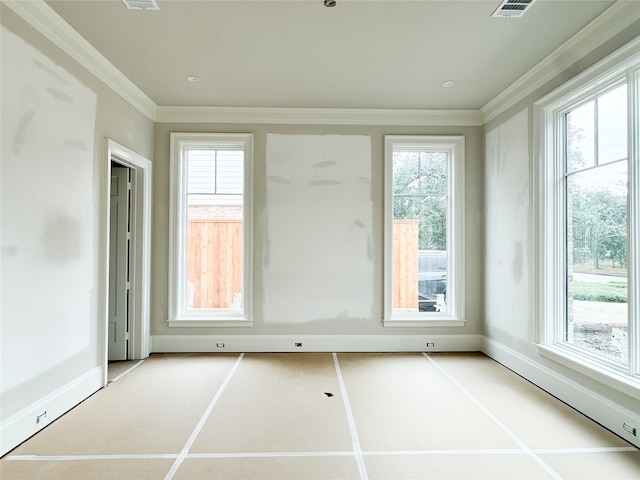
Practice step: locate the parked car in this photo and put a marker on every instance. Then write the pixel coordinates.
(432, 279)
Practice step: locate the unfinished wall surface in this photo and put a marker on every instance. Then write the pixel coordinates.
(45, 241)
(55, 117)
(318, 231)
(319, 221)
(509, 253)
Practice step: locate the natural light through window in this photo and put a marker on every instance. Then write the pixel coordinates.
(210, 175)
(596, 222)
(424, 178)
(589, 199)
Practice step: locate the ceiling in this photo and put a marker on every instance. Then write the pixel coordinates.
(359, 54)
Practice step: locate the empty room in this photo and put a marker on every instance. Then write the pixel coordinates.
(320, 239)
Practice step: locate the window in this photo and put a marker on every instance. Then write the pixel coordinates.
(589, 171)
(211, 235)
(424, 231)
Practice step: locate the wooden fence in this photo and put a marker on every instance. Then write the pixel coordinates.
(405, 264)
(214, 262)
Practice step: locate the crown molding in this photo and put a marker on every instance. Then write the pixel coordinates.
(44, 19)
(611, 22)
(318, 116)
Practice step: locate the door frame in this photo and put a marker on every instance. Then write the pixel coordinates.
(140, 250)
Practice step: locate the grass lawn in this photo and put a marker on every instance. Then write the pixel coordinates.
(600, 292)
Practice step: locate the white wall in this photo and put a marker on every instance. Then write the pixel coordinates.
(55, 117)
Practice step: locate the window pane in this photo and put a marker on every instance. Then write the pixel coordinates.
(214, 231)
(229, 172)
(597, 314)
(580, 124)
(612, 125)
(420, 231)
(201, 167)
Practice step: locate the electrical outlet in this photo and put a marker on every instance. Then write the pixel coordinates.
(431, 344)
(298, 344)
(220, 344)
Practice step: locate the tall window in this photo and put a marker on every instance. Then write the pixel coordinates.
(589, 133)
(424, 230)
(595, 182)
(210, 229)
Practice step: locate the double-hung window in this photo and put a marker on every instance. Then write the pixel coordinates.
(589, 189)
(424, 231)
(210, 225)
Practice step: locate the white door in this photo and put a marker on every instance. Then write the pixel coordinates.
(119, 239)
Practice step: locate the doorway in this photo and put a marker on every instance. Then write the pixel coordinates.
(127, 255)
(119, 262)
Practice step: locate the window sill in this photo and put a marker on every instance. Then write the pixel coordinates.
(412, 321)
(211, 322)
(607, 375)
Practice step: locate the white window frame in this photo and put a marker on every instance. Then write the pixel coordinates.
(551, 265)
(179, 316)
(455, 147)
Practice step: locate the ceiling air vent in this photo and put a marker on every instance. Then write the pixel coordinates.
(141, 4)
(513, 8)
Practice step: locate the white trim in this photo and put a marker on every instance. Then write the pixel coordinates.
(597, 370)
(590, 402)
(454, 145)
(549, 200)
(315, 343)
(594, 77)
(318, 116)
(140, 244)
(226, 322)
(180, 143)
(634, 218)
(44, 19)
(47, 22)
(609, 23)
(406, 320)
(22, 425)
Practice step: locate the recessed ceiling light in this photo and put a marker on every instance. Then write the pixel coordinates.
(193, 79)
(448, 83)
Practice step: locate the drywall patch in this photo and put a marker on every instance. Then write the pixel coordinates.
(318, 264)
(280, 180)
(508, 229)
(62, 238)
(325, 164)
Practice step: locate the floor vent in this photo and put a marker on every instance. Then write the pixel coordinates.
(512, 8)
(141, 4)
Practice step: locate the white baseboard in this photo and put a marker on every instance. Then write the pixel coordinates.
(590, 402)
(315, 343)
(33, 418)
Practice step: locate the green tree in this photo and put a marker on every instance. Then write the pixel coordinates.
(598, 208)
(420, 193)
